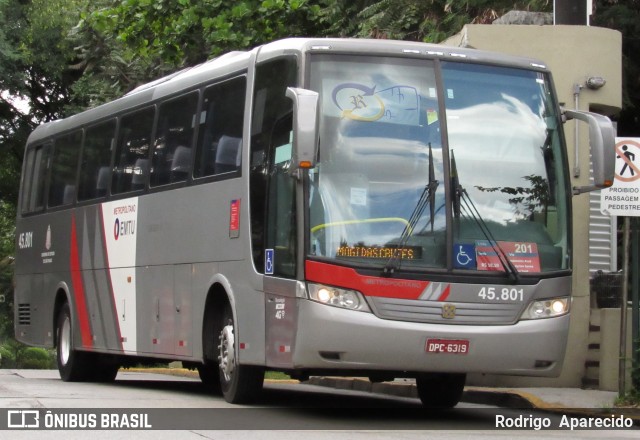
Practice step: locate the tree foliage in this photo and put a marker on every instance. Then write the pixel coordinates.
(16, 355)
(624, 16)
(126, 43)
(35, 54)
(434, 20)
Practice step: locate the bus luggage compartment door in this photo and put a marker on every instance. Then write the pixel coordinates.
(281, 320)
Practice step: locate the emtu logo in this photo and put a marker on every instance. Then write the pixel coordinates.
(116, 229)
(123, 228)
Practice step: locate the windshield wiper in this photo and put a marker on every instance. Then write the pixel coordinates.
(427, 197)
(463, 204)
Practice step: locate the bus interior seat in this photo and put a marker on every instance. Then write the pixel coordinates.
(180, 164)
(102, 182)
(140, 170)
(228, 154)
(69, 194)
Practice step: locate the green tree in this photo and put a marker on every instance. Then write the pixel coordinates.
(123, 44)
(35, 59)
(35, 55)
(434, 20)
(16, 355)
(624, 16)
(13, 125)
(160, 35)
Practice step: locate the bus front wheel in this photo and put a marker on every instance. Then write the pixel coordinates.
(239, 383)
(440, 390)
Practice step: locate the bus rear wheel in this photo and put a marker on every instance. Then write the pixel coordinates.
(440, 390)
(239, 383)
(71, 363)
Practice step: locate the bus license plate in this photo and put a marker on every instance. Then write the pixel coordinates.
(447, 346)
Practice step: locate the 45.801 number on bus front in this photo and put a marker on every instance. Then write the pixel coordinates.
(504, 294)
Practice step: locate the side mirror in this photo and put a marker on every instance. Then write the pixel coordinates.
(602, 139)
(305, 127)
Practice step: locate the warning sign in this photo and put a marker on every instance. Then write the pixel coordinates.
(623, 197)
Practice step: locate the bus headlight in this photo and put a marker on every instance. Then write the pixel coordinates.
(334, 296)
(547, 308)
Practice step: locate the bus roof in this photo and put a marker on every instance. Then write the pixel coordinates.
(237, 61)
(397, 48)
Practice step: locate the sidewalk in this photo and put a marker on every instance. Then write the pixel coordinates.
(565, 400)
(574, 401)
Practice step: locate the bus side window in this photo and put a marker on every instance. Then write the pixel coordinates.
(27, 174)
(219, 146)
(171, 157)
(95, 164)
(35, 178)
(131, 165)
(62, 187)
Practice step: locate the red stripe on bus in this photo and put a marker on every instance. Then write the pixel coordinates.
(78, 288)
(445, 294)
(346, 277)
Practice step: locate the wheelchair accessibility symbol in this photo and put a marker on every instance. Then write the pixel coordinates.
(268, 261)
(465, 256)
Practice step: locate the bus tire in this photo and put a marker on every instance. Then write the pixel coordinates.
(210, 377)
(239, 383)
(72, 364)
(440, 390)
(101, 368)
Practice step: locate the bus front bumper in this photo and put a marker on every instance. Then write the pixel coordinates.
(330, 338)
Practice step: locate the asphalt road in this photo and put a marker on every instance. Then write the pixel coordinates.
(182, 409)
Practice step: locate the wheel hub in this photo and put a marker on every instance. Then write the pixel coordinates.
(226, 358)
(65, 342)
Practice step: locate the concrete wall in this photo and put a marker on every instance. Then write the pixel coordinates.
(573, 54)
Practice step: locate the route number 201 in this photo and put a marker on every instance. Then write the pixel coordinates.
(524, 248)
(501, 294)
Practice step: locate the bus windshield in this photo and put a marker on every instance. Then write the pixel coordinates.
(394, 174)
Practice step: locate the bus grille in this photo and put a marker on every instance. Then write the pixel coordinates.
(24, 314)
(432, 311)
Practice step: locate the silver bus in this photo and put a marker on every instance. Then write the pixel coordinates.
(314, 206)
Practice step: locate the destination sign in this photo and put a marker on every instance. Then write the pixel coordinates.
(403, 253)
(523, 256)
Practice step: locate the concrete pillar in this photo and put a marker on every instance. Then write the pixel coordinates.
(610, 349)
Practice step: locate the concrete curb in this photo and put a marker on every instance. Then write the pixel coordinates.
(407, 388)
(514, 399)
(509, 398)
